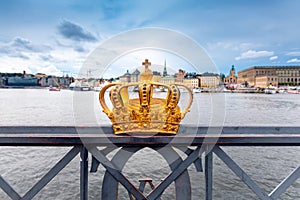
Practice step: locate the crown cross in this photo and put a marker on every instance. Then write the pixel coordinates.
(146, 63)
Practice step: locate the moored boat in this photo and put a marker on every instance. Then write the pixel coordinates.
(51, 88)
(293, 90)
(271, 90)
(80, 86)
(196, 90)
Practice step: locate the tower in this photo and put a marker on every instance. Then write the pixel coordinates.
(165, 73)
(232, 71)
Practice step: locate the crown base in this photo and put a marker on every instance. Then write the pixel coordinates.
(142, 128)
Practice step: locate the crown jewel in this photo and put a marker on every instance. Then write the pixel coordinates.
(144, 114)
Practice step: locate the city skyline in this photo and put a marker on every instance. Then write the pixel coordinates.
(56, 37)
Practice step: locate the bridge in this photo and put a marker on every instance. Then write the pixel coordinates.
(199, 144)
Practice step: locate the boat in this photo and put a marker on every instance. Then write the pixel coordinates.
(159, 89)
(79, 86)
(271, 90)
(293, 90)
(196, 90)
(51, 88)
(98, 88)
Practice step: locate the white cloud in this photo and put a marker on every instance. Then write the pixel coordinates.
(294, 60)
(233, 46)
(274, 58)
(254, 54)
(293, 53)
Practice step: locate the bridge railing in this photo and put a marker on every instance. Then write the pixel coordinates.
(195, 142)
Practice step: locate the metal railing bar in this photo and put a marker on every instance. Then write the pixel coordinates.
(84, 174)
(175, 173)
(287, 182)
(52, 173)
(8, 189)
(113, 170)
(208, 175)
(240, 173)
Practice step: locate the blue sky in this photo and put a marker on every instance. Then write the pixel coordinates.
(56, 37)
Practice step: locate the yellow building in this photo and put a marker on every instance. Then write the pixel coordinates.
(192, 82)
(275, 75)
(264, 81)
(209, 80)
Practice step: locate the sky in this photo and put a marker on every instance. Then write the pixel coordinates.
(56, 37)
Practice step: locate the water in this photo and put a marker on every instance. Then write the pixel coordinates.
(22, 167)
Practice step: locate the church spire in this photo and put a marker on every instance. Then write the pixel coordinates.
(165, 73)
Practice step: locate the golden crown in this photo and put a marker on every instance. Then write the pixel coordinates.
(145, 114)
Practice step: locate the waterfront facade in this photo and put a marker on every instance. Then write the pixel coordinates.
(125, 78)
(47, 81)
(22, 81)
(209, 80)
(135, 76)
(262, 76)
(231, 78)
(192, 82)
(167, 80)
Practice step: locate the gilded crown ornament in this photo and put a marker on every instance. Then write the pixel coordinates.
(145, 114)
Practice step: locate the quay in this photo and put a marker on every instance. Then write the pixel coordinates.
(195, 142)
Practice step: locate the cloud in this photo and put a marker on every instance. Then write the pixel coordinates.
(293, 53)
(294, 60)
(22, 48)
(75, 32)
(254, 54)
(273, 57)
(23, 44)
(46, 57)
(80, 49)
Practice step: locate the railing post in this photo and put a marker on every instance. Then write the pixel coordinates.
(208, 174)
(83, 173)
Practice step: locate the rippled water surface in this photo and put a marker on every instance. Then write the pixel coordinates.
(22, 167)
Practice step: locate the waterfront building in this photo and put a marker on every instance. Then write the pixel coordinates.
(192, 82)
(156, 76)
(209, 80)
(231, 78)
(179, 77)
(270, 75)
(125, 78)
(135, 76)
(50, 80)
(167, 80)
(264, 81)
(22, 81)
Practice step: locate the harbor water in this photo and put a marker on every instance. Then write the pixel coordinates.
(22, 167)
